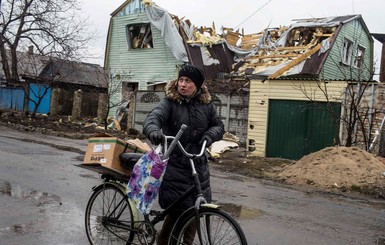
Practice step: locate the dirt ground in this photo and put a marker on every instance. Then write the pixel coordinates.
(332, 170)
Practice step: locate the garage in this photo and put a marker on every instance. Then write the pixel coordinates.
(297, 128)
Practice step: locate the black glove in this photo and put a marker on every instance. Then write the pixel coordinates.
(156, 137)
(208, 139)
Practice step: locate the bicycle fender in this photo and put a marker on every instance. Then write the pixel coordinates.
(135, 212)
(210, 205)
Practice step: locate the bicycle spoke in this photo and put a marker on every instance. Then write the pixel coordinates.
(216, 228)
(109, 217)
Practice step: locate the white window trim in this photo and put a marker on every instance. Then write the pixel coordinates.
(346, 52)
(363, 49)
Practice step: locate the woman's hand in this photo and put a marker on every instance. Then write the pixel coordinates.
(156, 137)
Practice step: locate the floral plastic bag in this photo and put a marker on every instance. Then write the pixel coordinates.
(146, 179)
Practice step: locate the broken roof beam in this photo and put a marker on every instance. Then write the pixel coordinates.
(273, 56)
(295, 62)
(276, 56)
(292, 48)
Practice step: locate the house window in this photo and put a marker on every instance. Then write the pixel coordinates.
(139, 36)
(359, 58)
(347, 51)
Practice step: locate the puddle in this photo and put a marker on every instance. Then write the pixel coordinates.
(240, 211)
(18, 229)
(16, 191)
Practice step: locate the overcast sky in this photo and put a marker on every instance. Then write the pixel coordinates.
(252, 15)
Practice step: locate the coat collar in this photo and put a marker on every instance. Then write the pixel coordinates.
(172, 93)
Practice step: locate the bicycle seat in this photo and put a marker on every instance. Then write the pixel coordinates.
(128, 159)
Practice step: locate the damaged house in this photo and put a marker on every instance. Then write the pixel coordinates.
(295, 77)
(299, 77)
(146, 46)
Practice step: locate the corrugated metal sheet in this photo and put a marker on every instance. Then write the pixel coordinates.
(219, 52)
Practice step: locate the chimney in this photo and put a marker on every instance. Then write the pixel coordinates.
(30, 49)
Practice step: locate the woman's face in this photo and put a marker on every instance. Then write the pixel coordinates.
(186, 86)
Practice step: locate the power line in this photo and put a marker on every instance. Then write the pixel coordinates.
(252, 14)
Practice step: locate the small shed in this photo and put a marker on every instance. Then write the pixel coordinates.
(50, 84)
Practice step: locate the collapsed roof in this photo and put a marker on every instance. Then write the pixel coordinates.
(271, 53)
(288, 51)
(202, 47)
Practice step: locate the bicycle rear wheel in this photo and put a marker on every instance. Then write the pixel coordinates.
(109, 217)
(216, 227)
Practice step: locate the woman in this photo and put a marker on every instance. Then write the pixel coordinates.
(187, 102)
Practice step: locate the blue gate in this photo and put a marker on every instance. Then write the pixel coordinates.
(36, 91)
(12, 99)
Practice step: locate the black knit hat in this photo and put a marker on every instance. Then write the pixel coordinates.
(194, 73)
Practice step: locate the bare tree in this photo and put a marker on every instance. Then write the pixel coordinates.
(360, 110)
(53, 27)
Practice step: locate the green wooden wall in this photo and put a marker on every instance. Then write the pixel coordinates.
(334, 69)
(140, 66)
(151, 64)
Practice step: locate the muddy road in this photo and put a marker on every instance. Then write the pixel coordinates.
(43, 197)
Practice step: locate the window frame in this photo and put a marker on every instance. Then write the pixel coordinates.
(360, 52)
(143, 33)
(347, 51)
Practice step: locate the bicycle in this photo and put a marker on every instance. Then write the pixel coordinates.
(111, 218)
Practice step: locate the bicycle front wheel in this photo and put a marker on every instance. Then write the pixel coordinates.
(215, 225)
(109, 218)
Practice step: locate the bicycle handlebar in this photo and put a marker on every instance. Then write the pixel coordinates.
(175, 141)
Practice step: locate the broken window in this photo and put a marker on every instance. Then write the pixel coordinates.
(139, 36)
(347, 51)
(358, 61)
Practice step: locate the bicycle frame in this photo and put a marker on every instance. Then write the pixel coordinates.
(113, 218)
(158, 215)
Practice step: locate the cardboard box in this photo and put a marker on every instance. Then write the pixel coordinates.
(102, 154)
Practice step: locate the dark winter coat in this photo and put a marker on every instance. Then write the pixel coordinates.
(199, 114)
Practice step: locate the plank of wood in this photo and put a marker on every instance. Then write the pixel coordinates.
(293, 48)
(276, 56)
(323, 35)
(300, 58)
